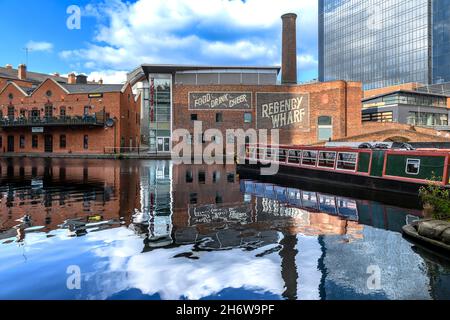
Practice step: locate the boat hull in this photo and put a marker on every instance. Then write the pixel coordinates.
(338, 179)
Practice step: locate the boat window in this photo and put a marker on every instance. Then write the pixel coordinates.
(282, 155)
(413, 166)
(327, 159)
(295, 156)
(309, 158)
(347, 161)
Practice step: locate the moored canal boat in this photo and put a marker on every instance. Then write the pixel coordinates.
(393, 170)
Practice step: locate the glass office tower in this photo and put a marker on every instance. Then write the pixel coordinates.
(384, 42)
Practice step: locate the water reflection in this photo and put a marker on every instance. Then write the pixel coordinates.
(151, 230)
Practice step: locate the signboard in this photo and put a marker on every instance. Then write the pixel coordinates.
(37, 130)
(220, 101)
(95, 95)
(283, 111)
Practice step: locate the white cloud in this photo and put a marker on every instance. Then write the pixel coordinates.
(39, 46)
(221, 32)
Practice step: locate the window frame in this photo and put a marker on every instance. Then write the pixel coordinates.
(408, 160)
(338, 161)
(316, 158)
(326, 160)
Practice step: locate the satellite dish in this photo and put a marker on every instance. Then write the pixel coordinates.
(110, 123)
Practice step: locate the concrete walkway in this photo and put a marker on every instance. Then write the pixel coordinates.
(143, 156)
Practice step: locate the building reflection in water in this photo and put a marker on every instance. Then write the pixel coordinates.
(324, 243)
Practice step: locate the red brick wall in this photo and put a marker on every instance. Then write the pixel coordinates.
(406, 86)
(113, 103)
(339, 99)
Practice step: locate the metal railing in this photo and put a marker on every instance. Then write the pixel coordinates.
(52, 121)
(125, 150)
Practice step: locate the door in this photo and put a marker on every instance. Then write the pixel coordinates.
(163, 144)
(48, 143)
(10, 143)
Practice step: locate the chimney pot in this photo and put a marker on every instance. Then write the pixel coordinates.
(8, 66)
(289, 54)
(100, 81)
(22, 72)
(72, 78)
(56, 74)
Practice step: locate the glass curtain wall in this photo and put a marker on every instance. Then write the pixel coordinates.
(160, 104)
(378, 42)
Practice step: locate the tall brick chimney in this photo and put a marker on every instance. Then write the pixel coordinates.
(72, 78)
(289, 55)
(22, 72)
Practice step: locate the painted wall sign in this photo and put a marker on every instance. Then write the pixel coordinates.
(283, 111)
(220, 101)
(37, 130)
(213, 214)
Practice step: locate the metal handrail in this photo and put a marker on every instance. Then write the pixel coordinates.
(64, 120)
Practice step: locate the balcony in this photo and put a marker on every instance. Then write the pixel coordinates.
(77, 121)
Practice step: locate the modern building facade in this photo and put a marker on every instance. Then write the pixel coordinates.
(408, 107)
(384, 43)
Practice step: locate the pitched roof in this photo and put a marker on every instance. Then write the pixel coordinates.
(31, 76)
(92, 88)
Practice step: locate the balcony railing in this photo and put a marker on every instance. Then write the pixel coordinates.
(52, 121)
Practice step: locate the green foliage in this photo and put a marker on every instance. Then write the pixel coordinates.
(438, 198)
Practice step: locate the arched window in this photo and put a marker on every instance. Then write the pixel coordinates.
(325, 125)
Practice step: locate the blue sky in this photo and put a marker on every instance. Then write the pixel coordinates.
(118, 35)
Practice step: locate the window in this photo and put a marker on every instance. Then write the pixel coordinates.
(347, 161)
(48, 111)
(413, 166)
(62, 111)
(202, 177)
(35, 114)
(219, 117)
(49, 93)
(34, 142)
(11, 112)
(327, 159)
(86, 142)
(248, 117)
(194, 117)
(189, 177)
(62, 141)
(86, 110)
(282, 155)
(325, 128)
(23, 113)
(309, 158)
(295, 156)
(1, 142)
(216, 176)
(378, 117)
(193, 198)
(22, 142)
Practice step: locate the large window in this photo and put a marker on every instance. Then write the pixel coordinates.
(11, 112)
(48, 111)
(62, 141)
(347, 161)
(327, 159)
(427, 119)
(22, 142)
(309, 158)
(35, 142)
(86, 142)
(325, 128)
(295, 156)
(378, 117)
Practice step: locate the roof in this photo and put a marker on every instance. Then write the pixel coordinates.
(404, 91)
(92, 88)
(31, 76)
(171, 69)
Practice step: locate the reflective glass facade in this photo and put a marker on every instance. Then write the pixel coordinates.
(384, 42)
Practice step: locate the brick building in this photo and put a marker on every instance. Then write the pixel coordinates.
(71, 116)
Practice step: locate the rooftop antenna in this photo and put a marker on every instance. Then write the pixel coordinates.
(27, 52)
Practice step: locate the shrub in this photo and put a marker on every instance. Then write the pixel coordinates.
(438, 198)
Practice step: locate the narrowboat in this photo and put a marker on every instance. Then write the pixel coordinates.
(393, 170)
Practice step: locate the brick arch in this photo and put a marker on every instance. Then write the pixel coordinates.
(398, 139)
